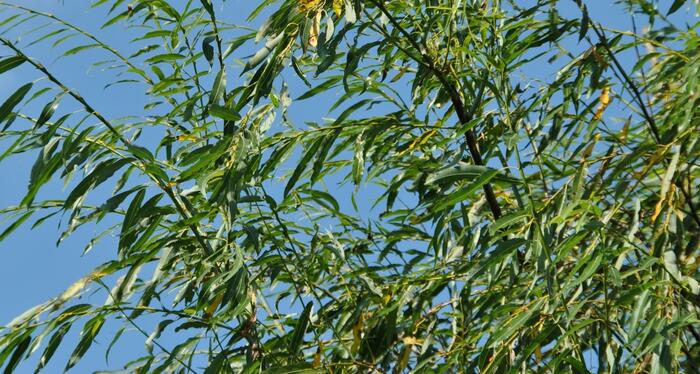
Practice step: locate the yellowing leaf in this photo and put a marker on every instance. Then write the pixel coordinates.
(78, 286)
(306, 5)
(315, 30)
(317, 355)
(412, 340)
(185, 137)
(604, 102)
(212, 307)
(625, 131)
(386, 298)
(657, 209)
(403, 359)
(357, 334)
(668, 197)
(338, 7)
(589, 148)
(419, 141)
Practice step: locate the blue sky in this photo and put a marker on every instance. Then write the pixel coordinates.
(32, 267)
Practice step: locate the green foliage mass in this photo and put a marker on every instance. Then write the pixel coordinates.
(481, 186)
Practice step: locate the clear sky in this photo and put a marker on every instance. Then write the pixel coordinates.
(32, 267)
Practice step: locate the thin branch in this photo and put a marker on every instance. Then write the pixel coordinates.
(456, 98)
(182, 209)
(141, 330)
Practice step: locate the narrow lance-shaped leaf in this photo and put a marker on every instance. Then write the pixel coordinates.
(10, 63)
(52, 346)
(90, 331)
(299, 170)
(300, 330)
(12, 101)
(101, 173)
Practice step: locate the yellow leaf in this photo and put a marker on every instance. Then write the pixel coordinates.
(315, 30)
(357, 333)
(212, 307)
(668, 198)
(412, 340)
(403, 359)
(338, 7)
(657, 209)
(538, 354)
(625, 131)
(589, 148)
(317, 355)
(306, 5)
(184, 137)
(419, 141)
(386, 298)
(604, 102)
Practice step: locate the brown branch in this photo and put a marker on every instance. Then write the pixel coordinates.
(457, 102)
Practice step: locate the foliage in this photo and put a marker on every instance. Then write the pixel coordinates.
(498, 189)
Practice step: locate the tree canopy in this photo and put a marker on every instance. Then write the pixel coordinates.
(356, 186)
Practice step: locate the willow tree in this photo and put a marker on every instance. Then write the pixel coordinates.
(472, 186)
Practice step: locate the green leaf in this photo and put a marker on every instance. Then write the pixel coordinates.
(300, 330)
(216, 365)
(217, 91)
(208, 49)
(100, 174)
(141, 153)
(165, 57)
(300, 74)
(156, 334)
(20, 349)
(508, 219)
(114, 341)
(322, 154)
(46, 164)
(465, 171)
(512, 325)
(224, 113)
(12, 101)
(10, 63)
(263, 52)
(324, 198)
(300, 368)
(90, 331)
(14, 225)
(78, 49)
(353, 60)
(54, 342)
(464, 193)
(299, 170)
(325, 86)
(47, 112)
(585, 21)
(677, 4)
(208, 7)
